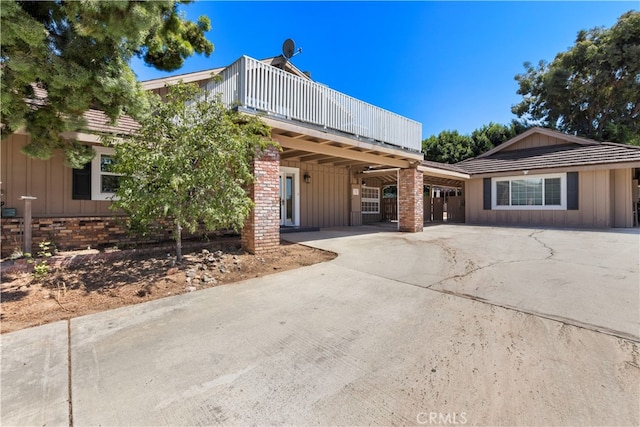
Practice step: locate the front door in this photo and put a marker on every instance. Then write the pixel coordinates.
(289, 196)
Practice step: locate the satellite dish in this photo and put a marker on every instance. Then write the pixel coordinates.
(288, 48)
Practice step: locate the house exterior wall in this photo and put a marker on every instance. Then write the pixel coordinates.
(324, 202)
(48, 180)
(622, 198)
(534, 141)
(80, 232)
(596, 208)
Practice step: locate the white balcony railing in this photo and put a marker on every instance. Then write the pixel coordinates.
(256, 85)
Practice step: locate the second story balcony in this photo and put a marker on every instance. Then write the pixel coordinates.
(255, 86)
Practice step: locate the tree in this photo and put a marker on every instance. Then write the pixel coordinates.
(60, 58)
(451, 147)
(447, 147)
(593, 89)
(189, 163)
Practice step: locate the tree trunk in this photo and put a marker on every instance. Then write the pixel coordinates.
(178, 242)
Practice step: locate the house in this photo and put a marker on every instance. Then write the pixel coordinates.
(334, 149)
(546, 178)
(336, 156)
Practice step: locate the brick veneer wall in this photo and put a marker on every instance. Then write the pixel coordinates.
(261, 231)
(73, 233)
(411, 215)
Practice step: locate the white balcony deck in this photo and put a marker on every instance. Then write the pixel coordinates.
(257, 86)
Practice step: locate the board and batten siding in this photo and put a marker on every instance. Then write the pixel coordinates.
(604, 201)
(324, 202)
(622, 197)
(534, 141)
(48, 180)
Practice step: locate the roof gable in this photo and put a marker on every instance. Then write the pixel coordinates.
(535, 138)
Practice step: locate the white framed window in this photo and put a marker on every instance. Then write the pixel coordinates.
(370, 200)
(103, 181)
(535, 192)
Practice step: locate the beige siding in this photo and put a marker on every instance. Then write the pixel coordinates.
(595, 206)
(534, 141)
(622, 198)
(325, 201)
(48, 180)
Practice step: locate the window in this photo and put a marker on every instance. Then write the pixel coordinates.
(370, 200)
(104, 182)
(96, 180)
(532, 192)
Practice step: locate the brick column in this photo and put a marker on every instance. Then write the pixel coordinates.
(261, 231)
(411, 215)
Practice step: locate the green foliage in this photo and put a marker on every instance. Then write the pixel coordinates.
(190, 163)
(593, 89)
(451, 147)
(59, 59)
(448, 147)
(41, 267)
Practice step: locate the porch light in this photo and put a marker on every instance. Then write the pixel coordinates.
(307, 178)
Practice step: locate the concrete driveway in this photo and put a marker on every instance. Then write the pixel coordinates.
(431, 328)
(585, 278)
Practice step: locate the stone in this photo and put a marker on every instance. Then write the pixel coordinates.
(191, 273)
(205, 252)
(172, 271)
(191, 288)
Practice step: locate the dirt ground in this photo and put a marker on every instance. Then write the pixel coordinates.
(102, 284)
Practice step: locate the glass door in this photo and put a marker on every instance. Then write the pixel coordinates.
(289, 194)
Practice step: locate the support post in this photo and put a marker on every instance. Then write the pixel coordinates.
(261, 231)
(410, 200)
(27, 223)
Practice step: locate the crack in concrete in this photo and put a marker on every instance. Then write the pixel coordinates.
(552, 252)
(69, 372)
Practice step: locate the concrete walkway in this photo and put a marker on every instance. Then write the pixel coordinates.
(399, 329)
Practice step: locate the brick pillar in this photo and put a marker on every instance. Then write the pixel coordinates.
(411, 215)
(261, 231)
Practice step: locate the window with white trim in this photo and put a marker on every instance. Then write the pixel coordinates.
(370, 201)
(104, 182)
(536, 192)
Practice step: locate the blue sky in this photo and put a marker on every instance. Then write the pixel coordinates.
(448, 65)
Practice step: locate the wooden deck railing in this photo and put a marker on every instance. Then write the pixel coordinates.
(253, 84)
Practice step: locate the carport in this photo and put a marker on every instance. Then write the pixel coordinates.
(443, 192)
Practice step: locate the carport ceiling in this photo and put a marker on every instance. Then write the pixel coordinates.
(324, 148)
(390, 178)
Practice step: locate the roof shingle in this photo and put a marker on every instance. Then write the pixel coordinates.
(558, 156)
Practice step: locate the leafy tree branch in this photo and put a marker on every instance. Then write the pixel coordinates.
(59, 59)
